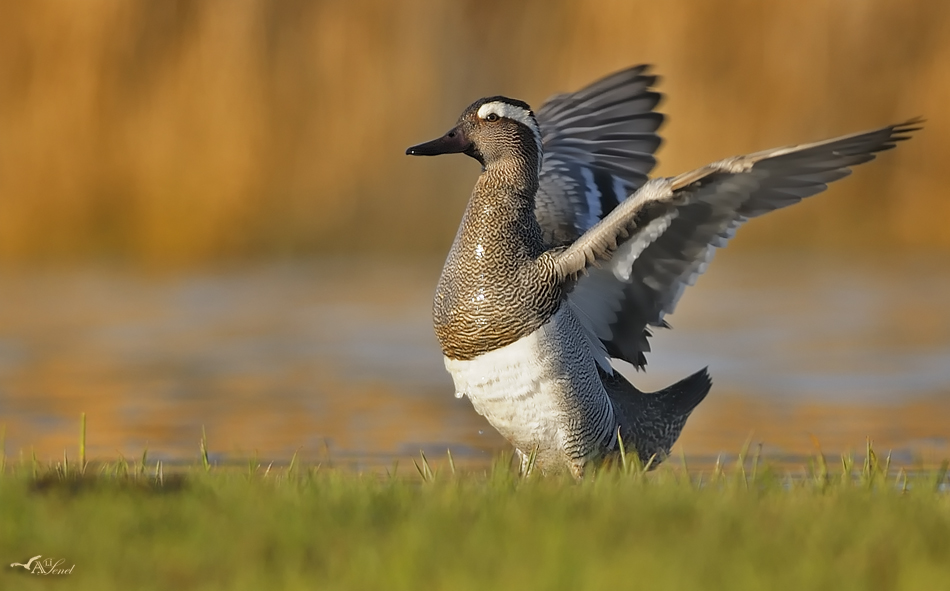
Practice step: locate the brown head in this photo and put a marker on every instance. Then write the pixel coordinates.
(491, 130)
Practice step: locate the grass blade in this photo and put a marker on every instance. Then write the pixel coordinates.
(204, 450)
(142, 464)
(82, 443)
(293, 462)
(941, 475)
(623, 453)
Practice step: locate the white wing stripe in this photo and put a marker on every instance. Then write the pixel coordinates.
(621, 264)
(592, 193)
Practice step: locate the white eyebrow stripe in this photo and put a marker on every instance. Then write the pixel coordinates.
(505, 110)
(515, 113)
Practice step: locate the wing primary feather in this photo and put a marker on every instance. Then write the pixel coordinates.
(712, 202)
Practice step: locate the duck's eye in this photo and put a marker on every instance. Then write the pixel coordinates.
(491, 117)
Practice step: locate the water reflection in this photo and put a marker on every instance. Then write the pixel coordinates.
(337, 359)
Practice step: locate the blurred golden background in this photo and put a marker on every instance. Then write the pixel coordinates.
(175, 133)
(250, 147)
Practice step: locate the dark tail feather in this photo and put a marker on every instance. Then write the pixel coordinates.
(651, 423)
(672, 402)
(685, 395)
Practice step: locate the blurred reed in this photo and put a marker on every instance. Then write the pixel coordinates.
(178, 132)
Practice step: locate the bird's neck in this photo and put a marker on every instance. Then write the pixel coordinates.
(500, 212)
(514, 176)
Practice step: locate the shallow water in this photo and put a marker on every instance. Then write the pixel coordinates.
(336, 359)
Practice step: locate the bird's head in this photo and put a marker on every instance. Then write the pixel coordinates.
(491, 130)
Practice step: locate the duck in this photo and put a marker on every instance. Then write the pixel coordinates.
(568, 256)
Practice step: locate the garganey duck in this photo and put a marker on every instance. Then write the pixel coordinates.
(567, 256)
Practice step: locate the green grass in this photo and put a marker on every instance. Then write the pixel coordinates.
(140, 525)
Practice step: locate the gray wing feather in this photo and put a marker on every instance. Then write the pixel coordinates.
(598, 148)
(704, 208)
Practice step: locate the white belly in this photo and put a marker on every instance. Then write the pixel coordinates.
(539, 389)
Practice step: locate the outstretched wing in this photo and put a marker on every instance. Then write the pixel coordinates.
(598, 148)
(659, 240)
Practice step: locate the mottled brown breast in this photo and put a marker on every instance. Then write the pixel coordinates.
(493, 290)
